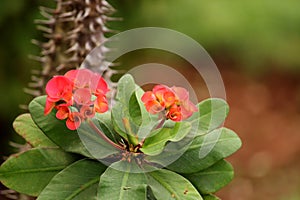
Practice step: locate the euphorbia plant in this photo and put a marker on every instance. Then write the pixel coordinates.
(146, 145)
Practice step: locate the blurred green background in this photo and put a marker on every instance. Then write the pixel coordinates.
(256, 45)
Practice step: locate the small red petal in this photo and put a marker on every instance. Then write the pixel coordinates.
(62, 112)
(82, 96)
(74, 121)
(101, 104)
(49, 105)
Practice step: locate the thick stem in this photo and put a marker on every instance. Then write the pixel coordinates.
(103, 136)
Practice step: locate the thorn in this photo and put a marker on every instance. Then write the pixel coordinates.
(46, 9)
(46, 14)
(45, 22)
(36, 78)
(36, 42)
(37, 58)
(35, 84)
(23, 107)
(106, 18)
(60, 67)
(45, 29)
(74, 47)
(99, 20)
(106, 4)
(67, 14)
(32, 92)
(92, 27)
(87, 12)
(88, 46)
(107, 30)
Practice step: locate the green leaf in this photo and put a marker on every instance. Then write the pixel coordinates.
(97, 146)
(77, 181)
(126, 87)
(210, 197)
(126, 107)
(211, 114)
(106, 126)
(122, 185)
(155, 143)
(135, 110)
(206, 150)
(31, 171)
(56, 129)
(166, 184)
(118, 113)
(25, 127)
(213, 178)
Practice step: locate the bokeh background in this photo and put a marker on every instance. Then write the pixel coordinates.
(256, 46)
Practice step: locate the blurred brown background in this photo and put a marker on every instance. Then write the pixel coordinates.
(256, 46)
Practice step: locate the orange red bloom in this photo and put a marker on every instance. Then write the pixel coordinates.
(174, 102)
(76, 96)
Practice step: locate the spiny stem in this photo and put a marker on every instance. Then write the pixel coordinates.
(103, 136)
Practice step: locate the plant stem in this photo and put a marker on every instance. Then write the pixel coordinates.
(103, 136)
(161, 123)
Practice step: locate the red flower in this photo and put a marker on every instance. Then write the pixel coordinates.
(84, 78)
(174, 113)
(76, 96)
(80, 77)
(174, 101)
(62, 112)
(101, 104)
(152, 105)
(74, 120)
(98, 85)
(82, 96)
(87, 112)
(187, 108)
(59, 90)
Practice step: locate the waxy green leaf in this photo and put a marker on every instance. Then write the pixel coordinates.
(155, 143)
(206, 150)
(25, 127)
(76, 182)
(121, 110)
(166, 184)
(129, 115)
(91, 136)
(213, 178)
(56, 129)
(211, 114)
(31, 171)
(122, 185)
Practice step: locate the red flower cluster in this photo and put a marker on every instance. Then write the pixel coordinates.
(174, 101)
(77, 96)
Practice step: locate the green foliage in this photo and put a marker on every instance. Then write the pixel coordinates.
(212, 179)
(66, 163)
(122, 185)
(166, 184)
(79, 181)
(216, 145)
(156, 141)
(25, 126)
(55, 129)
(31, 171)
